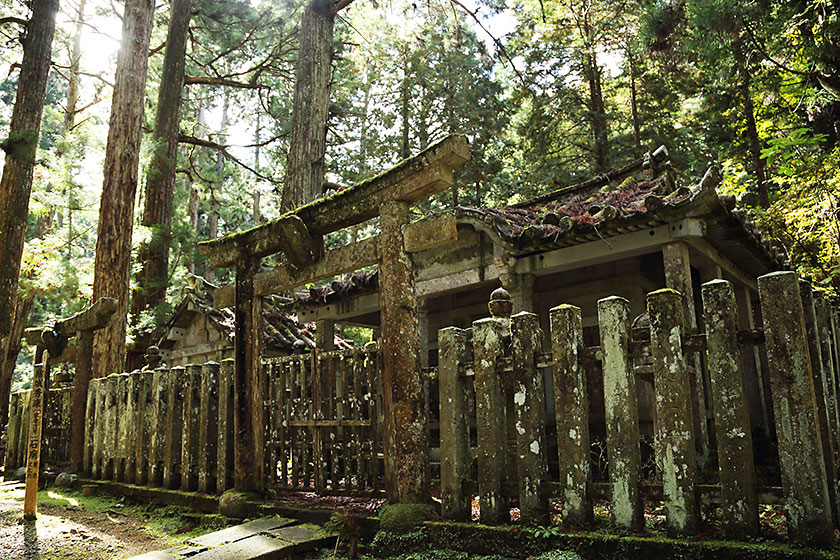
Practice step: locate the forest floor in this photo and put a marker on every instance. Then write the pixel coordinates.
(73, 526)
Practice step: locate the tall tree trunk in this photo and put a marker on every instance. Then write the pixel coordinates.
(116, 207)
(405, 149)
(305, 165)
(153, 257)
(753, 141)
(10, 354)
(73, 73)
(255, 194)
(634, 106)
(597, 113)
(24, 131)
(193, 213)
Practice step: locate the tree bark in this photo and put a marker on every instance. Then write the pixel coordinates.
(634, 105)
(597, 114)
(305, 166)
(24, 131)
(73, 74)
(153, 257)
(116, 208)
(753, 140)
(10, 354)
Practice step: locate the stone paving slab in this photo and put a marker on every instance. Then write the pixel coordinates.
(156, 555)
(303, 537)
(255, 547)
(239, 532)
(182, 551)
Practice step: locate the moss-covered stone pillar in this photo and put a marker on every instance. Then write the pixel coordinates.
(191, 412)
(521, 289)
(731, 413)
(404, 404)
(571, 409)
(455, 457)
(96, 466)
(622, 414)
(130, 434)
(678, 277)
(174, 427)
(800, 448)
(224, 459)
(208, 433)
(247, 381)
(491, 419)
(675, 434)
(158, 425)
(90, 426)
(529, 412)
(143, 442)
(821, 393)
(826, 352)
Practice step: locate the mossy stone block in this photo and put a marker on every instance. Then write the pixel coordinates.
(403, 518)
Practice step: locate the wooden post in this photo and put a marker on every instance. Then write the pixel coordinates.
(491, 421)
(247, 382)
(208, 434)
(800, 449)
(174, 427)
(673, 410)
(732, 416)
(455, 458)
(224, 459)
(678, 277)
(189, 443)
(622, 414)
(571, 409)
(406, 422)
(33, 446)
(821, 393)
(529, 407)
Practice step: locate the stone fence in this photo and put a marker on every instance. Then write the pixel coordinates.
(493, 414)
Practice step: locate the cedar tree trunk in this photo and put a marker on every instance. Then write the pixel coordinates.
(308, 137)
(122, 160)
(24, 131)
(160, 182)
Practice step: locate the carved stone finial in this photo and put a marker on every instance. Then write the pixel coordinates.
(501, 305)
(152, 357)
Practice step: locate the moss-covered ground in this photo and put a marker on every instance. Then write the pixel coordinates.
(72, 526)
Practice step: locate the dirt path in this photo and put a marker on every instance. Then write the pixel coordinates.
(70, 526)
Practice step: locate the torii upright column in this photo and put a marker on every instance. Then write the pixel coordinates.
(404, 406)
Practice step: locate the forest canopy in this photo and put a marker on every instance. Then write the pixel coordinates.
(549, 92)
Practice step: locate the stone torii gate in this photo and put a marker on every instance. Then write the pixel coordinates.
(51, 347)
(298, 234)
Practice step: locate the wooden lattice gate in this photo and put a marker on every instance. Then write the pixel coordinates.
(323, 416)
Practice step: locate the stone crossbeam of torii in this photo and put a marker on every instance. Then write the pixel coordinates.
(52, 348)
(298, 234)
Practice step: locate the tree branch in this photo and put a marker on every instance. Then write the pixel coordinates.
(17, 20)
(210, 81)
(340, 5)
(222, 149)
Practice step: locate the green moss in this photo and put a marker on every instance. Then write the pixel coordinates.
(403, 518)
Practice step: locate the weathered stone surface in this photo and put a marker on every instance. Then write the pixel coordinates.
(308, 537)
(406, 445)
(142, 451)
(208, 427)
(732, 419)
(65, 479)
(191, 427)
(157, 425)
(184, 551)
(90, 426)
(239, 532)
(234, 504)
(529, 409)
(571, 408)
(174, 428)
(156, 555)
(821, 394)
(675, 434)
(455, 455)
(402, 518)
(622, 413)
(224, 458)
(677, 265)
(99, 429)
(806, 490)
(255, 547)
(491, 422)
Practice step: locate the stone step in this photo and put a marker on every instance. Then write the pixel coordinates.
(262, 539)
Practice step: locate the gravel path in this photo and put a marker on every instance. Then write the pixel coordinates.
(68, 532)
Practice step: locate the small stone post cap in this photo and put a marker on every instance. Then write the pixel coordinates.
(501, 305)
(152, 357)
